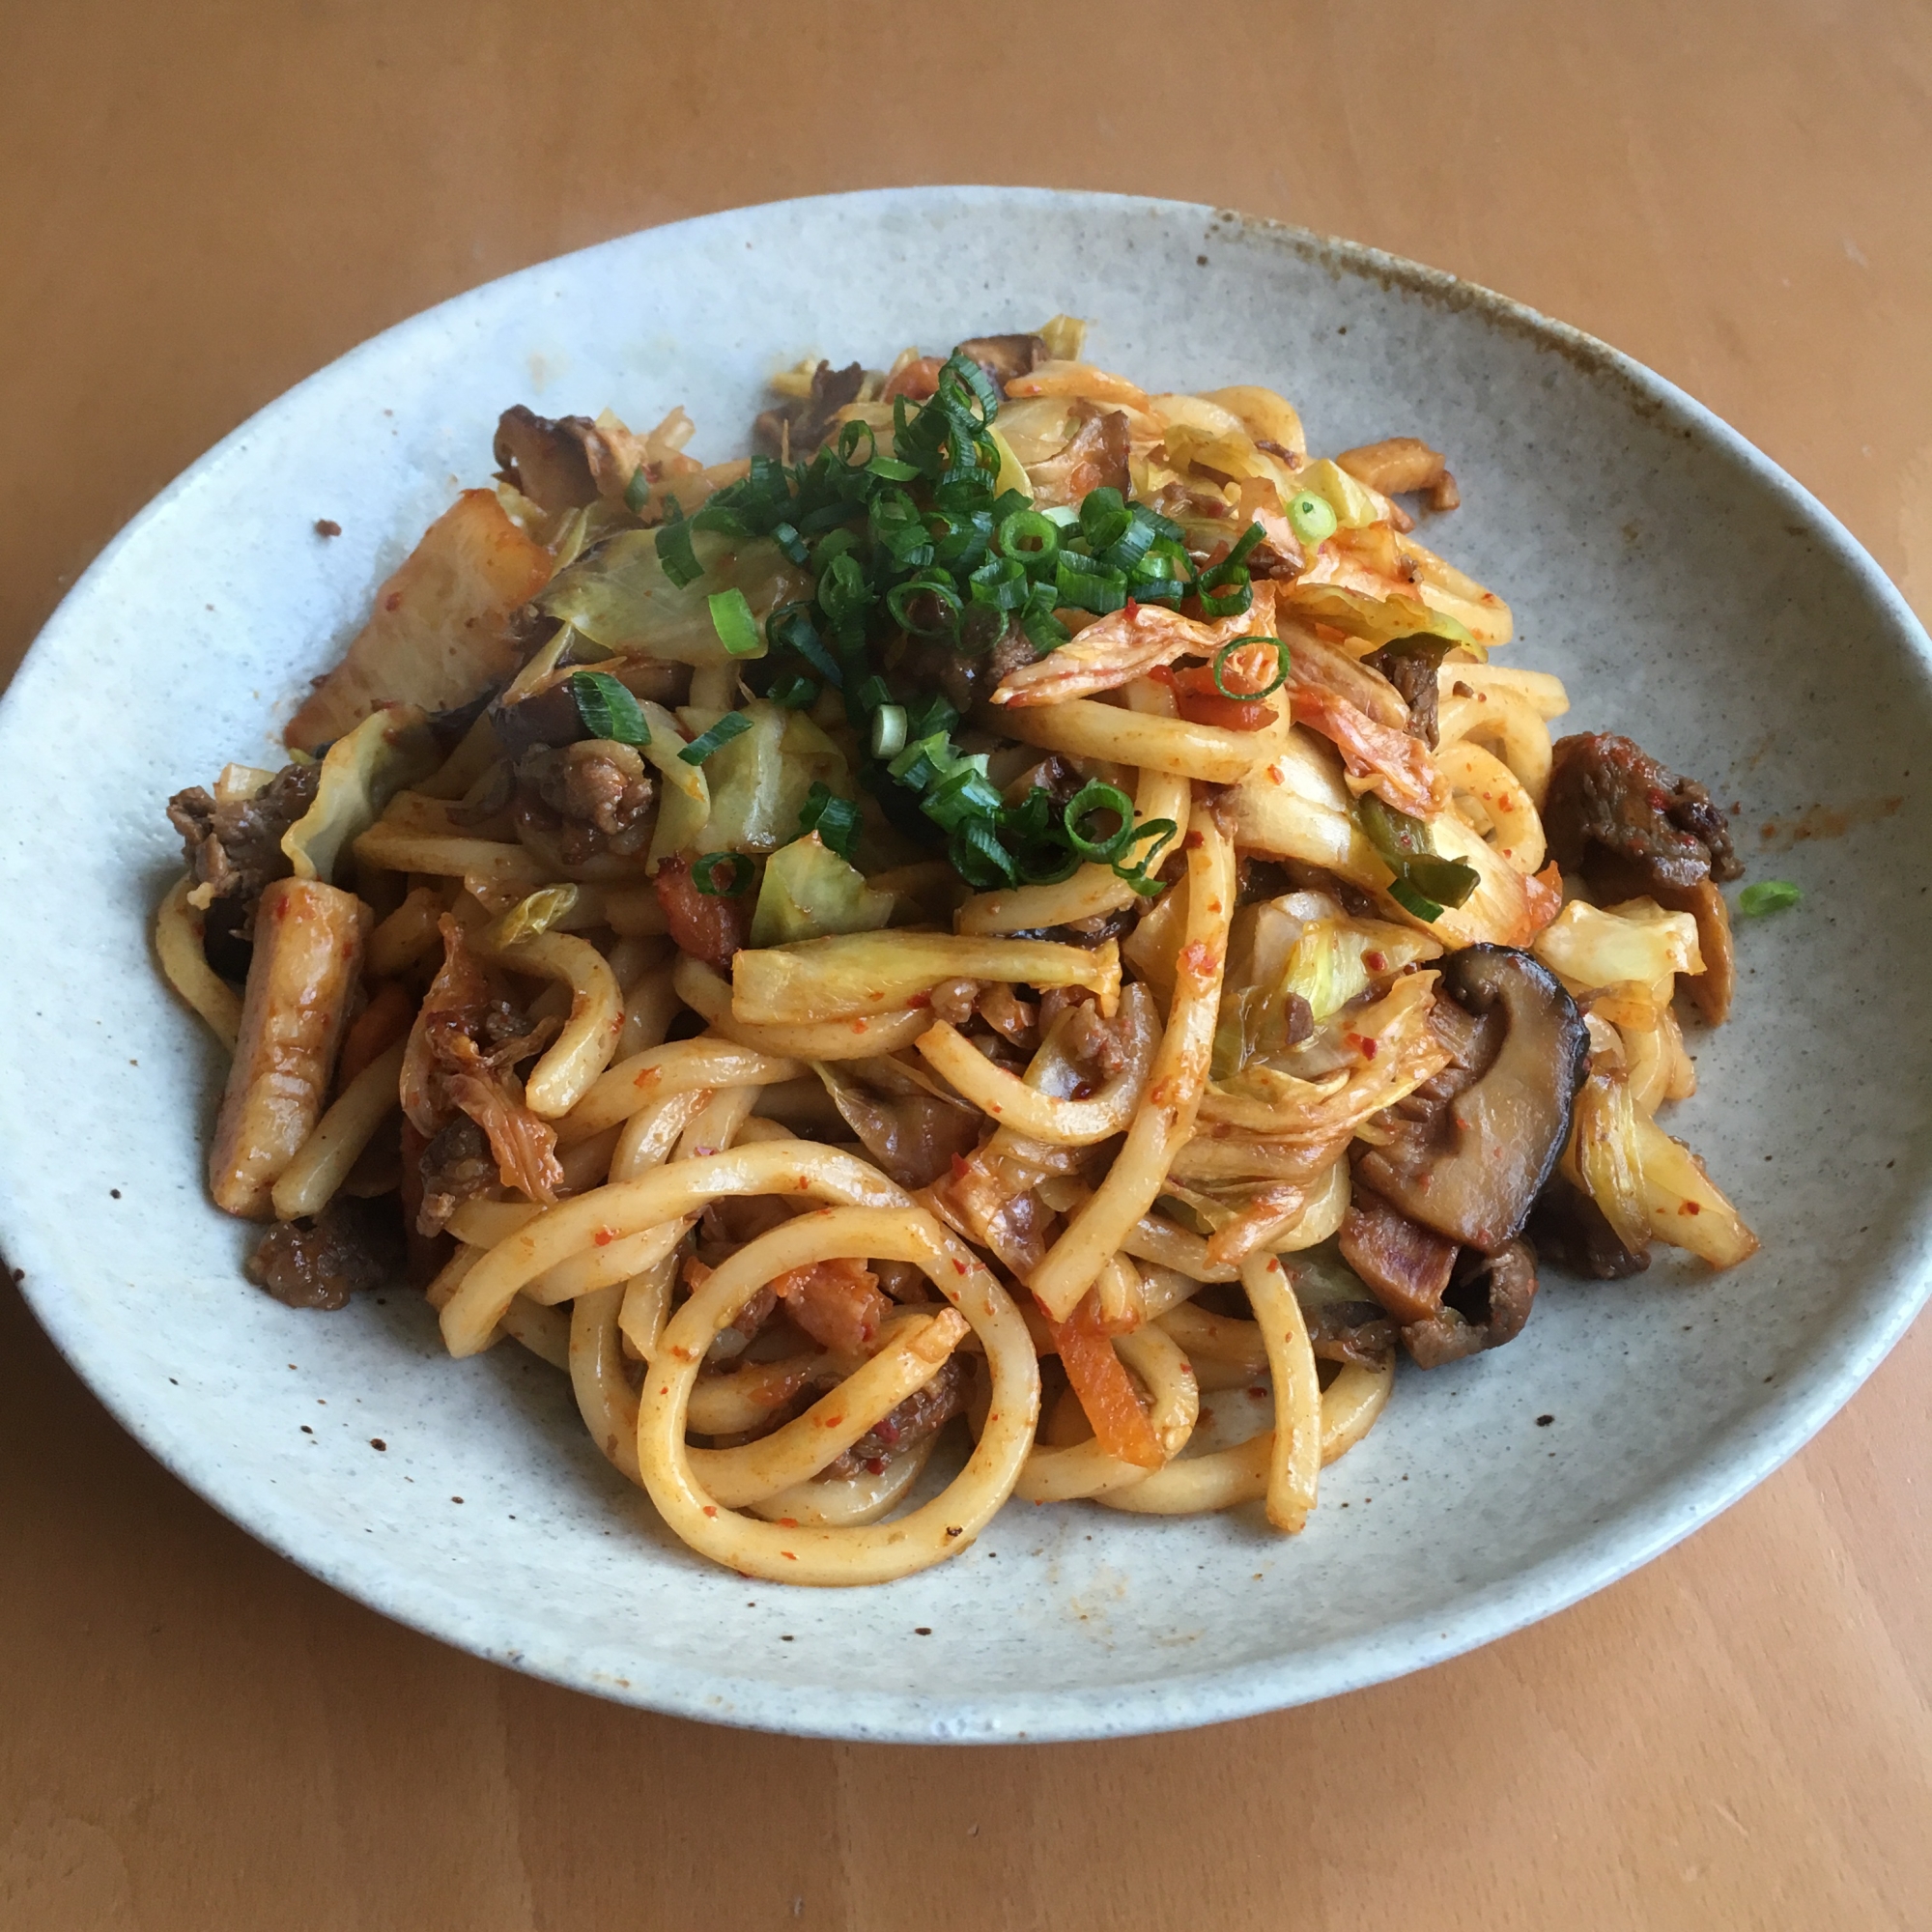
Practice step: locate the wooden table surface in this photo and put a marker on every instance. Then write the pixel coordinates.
(201, 204)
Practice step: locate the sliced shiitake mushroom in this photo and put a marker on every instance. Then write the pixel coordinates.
(547, 461)
(1473, 1176)
(1005, 357)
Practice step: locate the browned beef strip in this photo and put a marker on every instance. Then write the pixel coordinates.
(707, 926)
(1414, 680)
(924, 1412)
(319, 1263)
(1404, 1267)
(809, 418)
(582, 800)
(1608, 795)
(1350, 1332)
(457, 1166)
(967, 677)
(236, 848)
(1487, 1303)
(1568, 1229)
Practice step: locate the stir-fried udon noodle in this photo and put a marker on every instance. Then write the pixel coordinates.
(1022, 923)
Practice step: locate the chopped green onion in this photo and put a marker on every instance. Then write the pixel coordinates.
(1028, 538)
(637, 491)
(889, 731)
(979, 857)
(1266, 690)
(1395, 835)
(1104, 518)
(1231, 602)
(1001, 582)
(933, 717)
(1424, 882)
(1233, 568)
(1062, 516)
(843, 594)
(737, 629)
(849, 439)
(962, 371)
(791, 628)
(892, 470)
(834, 820)
(872, 692)
(1090, 798)
(1410, 900)
(1448, 880)
(963, 793)
(704, 874)
(1162, 832)
(1043, 627)
(674, 552)
(1081, 587)
(733, 724)
(607, 709)
(909, 601)
(1313, 522)
(789, 540)
(1768, 895)
(922, 761)
(794, 691)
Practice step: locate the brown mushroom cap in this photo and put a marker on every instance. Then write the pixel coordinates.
(1475, 1180)
(1487, 1304)
(547, 461)
(1004, 357)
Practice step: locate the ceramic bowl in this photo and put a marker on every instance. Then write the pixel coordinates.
(1687, 591)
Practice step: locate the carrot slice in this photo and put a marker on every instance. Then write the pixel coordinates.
(1105, 1391)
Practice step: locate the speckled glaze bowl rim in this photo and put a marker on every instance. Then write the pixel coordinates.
(1734, 1463)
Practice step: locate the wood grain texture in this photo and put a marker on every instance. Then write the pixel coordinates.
(203, 203)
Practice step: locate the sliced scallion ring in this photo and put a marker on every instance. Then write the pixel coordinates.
(1266, 690)
(1091, 798)
(889, 731)
(1311, 518)
(737, 629)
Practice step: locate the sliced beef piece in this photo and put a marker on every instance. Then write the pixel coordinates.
(582, 800)
(1096, 458)
(350, 1245)
(1487, 1303)
(1568, 1229)
(547, 461)
(968, 678)
(924, 1413)
(1406, 1266)
(236, 849)
(1004, 357)
(913, 1135)
(809, 418)
(1413, 676)
(1608, 796)
(456, 1166)
(1351, 1331)
(706, 927)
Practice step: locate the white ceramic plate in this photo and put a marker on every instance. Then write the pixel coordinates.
(1690, 593)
